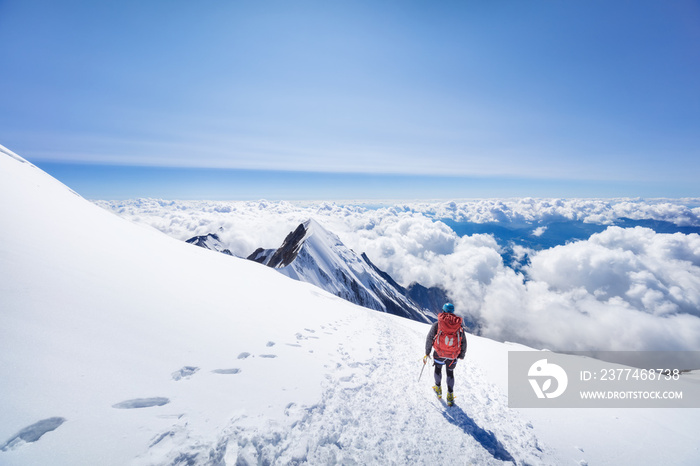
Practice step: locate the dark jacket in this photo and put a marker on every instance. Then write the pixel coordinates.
(431, 337)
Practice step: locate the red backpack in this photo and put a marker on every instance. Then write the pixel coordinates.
(448, 341)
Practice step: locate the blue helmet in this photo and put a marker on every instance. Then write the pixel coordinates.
(448, 307)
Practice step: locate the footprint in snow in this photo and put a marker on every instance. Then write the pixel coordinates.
(270, 344)
(300, 336)
(32, 433)
(268, 356)
(184, 373)
(243, 355)
(234, 370)
(142, 403)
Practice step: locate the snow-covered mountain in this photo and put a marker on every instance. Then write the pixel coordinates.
(120, 345)
(314, 255)
(211, 242)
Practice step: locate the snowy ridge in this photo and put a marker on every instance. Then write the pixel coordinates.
(8, 152)
(40, 174)
(314, 255)
(211, 242)
(262, 256)
(120, 345)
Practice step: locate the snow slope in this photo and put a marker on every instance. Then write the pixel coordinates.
(120, 345)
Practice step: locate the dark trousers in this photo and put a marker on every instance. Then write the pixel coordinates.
(449, 369)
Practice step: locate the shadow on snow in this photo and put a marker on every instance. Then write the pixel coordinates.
(486, 438)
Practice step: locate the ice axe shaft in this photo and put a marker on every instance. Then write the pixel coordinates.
(425, 360)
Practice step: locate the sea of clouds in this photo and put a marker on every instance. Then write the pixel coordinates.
(621, 289)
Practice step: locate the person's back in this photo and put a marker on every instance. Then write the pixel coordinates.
(447, 340)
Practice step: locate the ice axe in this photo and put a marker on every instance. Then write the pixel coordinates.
(425, 360)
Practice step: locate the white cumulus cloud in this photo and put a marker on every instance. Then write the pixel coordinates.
(620, 289)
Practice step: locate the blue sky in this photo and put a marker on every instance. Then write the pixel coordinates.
(355, 99)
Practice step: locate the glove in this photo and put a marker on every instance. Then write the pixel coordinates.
(425, 359)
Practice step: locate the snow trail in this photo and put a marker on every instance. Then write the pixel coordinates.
(372, 411)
